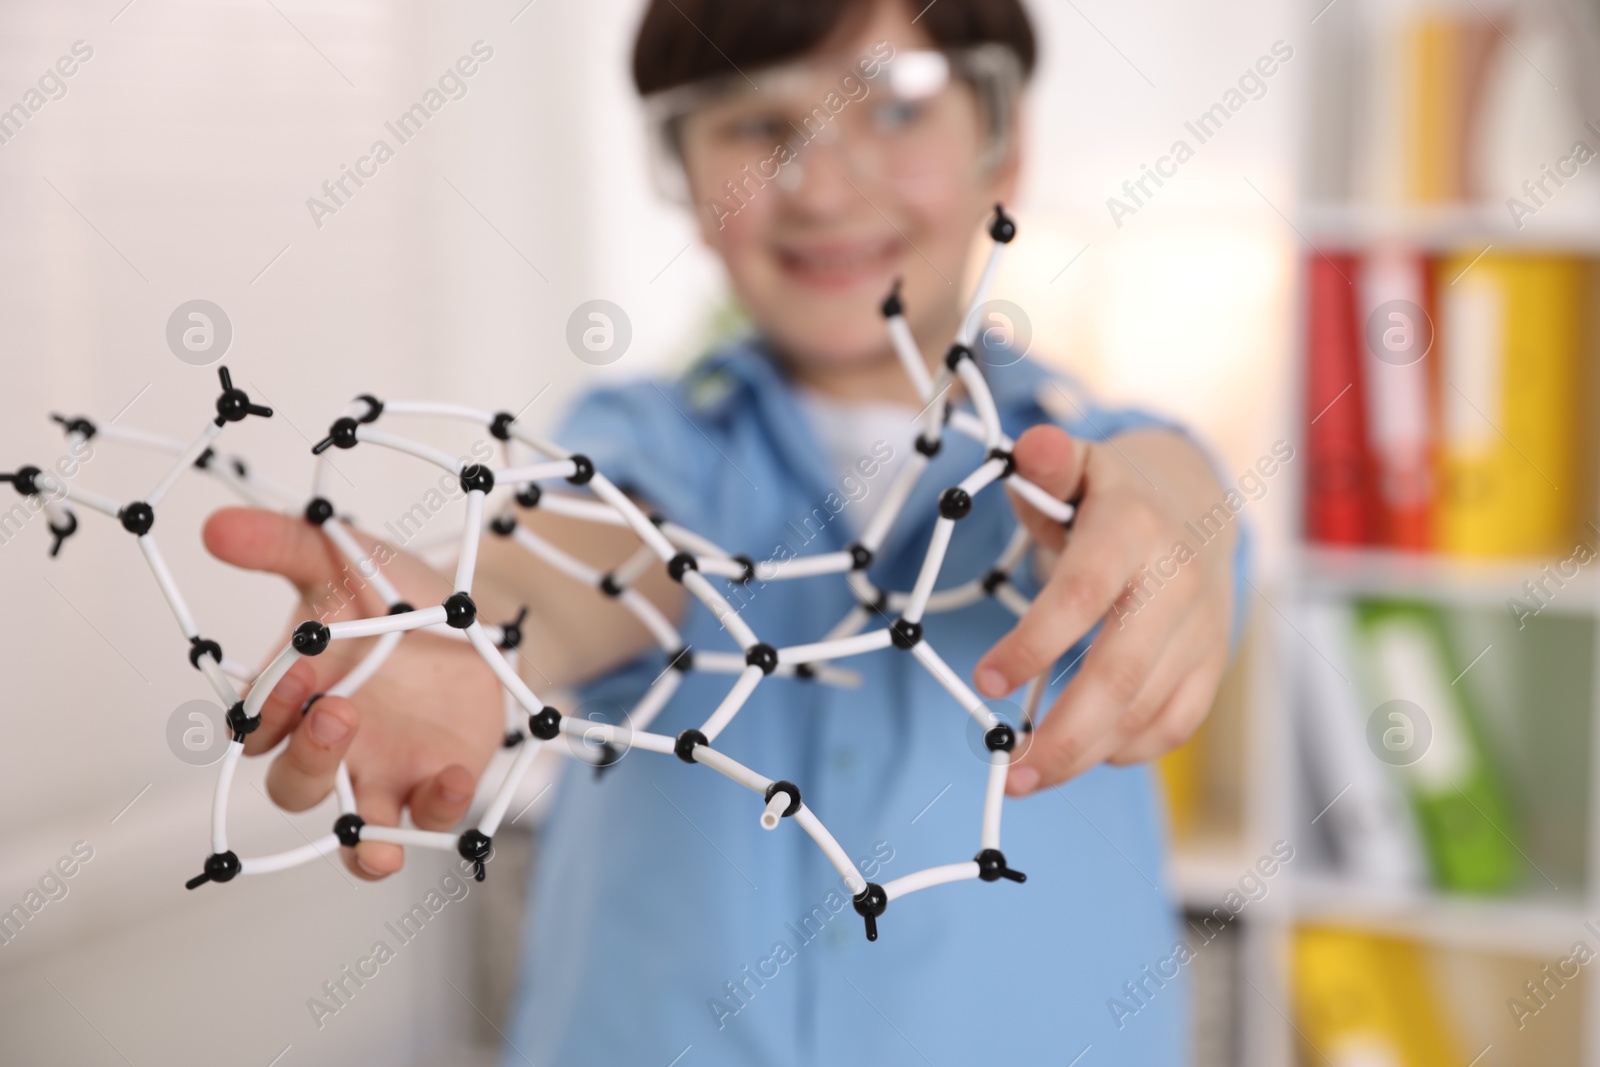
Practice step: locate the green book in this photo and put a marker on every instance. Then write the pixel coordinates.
(1425, 725)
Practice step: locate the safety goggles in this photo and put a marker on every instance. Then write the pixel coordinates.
(895, 117)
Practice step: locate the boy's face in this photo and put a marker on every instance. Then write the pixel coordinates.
(871, 188)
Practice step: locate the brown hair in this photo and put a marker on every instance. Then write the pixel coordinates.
(682, 41)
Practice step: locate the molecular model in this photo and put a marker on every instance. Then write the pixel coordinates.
(689, 558)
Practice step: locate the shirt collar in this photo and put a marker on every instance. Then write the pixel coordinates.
(747, 372)
(749, 366)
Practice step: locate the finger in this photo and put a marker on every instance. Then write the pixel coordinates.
(1046, 532)
(1181, 654)
(260, 540)
(442, 801)
(378, 805)
(1115, 670)
(1185, 651)
(1093, 571)
(1179, 718)
(303, 774)
(413, 578)
(280, 544)
(301, 687)
(280, 713)
(1050, 458)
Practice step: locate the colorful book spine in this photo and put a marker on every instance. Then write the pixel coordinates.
(1358, 800)
(1182, 778)
(1396, 324)
(1511, 332)
(1434, 736)
(1367, 1001)
(1340, 504)
(1433, 104)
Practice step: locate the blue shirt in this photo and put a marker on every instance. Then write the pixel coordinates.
(663, 920)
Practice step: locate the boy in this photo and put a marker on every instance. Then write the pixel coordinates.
(829, 149)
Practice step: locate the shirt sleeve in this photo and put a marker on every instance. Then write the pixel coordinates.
(640, 435)
(642, 440)
(1082, 417)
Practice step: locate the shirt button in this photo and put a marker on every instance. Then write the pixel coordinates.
(844, 760)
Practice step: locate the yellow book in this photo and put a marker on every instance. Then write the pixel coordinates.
(1182, 777)
(1510, 342)
(1366, 1001)
(1433, 106)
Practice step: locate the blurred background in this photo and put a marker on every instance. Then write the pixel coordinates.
(1370, 274)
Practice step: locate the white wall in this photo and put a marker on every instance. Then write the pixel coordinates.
(178, 165)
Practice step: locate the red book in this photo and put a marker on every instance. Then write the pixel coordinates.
(1341, 506)
(1394, 309)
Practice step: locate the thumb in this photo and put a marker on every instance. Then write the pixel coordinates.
(260, 540)
(1051, 459)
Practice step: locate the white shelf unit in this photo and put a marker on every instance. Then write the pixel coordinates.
(1459, 583)
(1438, 229)
(1538, 925)
(1534, 923)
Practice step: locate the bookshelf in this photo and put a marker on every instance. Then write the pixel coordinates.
(1435, 229)
(1247, 774)
(1333, 572)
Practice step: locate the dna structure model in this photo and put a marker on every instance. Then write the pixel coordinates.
(690, 559)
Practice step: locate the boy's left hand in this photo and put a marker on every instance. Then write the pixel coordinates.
(1148, 679)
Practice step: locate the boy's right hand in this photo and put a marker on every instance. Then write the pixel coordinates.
(418, 734)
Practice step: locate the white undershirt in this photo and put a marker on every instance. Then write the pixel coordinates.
(853, 430)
